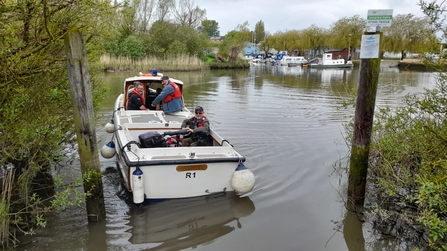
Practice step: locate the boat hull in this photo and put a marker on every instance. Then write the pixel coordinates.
(169, 181)
(318, 66)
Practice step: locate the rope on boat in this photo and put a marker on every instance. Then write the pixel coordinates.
(128, 145)
(227, 142)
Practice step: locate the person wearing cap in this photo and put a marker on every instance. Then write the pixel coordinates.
(170, 95)
(198, 127)
(136, 98)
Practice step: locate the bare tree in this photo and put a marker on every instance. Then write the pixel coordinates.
(186, 14)
(163, 9)
(144, 10)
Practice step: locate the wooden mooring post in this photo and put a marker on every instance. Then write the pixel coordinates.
(363, 122)
(81, 93)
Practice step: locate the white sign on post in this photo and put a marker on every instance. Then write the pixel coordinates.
(370, 46)
(382, 18)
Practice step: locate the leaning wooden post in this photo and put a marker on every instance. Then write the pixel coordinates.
(81, 94)
(363, 121)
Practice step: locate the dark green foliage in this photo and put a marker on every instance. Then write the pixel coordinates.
(210, 28)
(170, 39)
(408, 154)
(132, 47)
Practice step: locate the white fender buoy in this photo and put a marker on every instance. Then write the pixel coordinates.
(242, 180)
(108, 150)
(137, 186)
(110, 127)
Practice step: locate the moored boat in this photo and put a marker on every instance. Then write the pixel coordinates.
(328, 62)
(292, 61)
(164, 169)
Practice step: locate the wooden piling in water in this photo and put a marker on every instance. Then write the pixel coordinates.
(363, 121)
(81, 93)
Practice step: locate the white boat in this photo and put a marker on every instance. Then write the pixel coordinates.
(170, 171)
(292, 61)
(328, 62)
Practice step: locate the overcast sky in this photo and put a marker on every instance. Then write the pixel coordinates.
(283, 15)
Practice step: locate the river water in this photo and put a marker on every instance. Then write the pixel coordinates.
(286, 121)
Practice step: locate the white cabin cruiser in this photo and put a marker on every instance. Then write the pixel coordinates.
(292, 61)
(167, 170)
(328, 62)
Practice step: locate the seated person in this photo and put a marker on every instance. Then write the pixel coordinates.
(199, 127)
(136, 99)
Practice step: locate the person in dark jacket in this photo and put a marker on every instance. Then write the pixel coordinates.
(136, 99)
(199, 128)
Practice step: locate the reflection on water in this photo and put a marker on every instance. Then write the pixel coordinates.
(184, 223)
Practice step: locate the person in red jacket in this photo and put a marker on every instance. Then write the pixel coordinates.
(170, 95)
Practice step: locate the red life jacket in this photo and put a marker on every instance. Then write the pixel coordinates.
(135, 91)
(173, 95)
(200, 123)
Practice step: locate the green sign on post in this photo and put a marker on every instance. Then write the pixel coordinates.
(382, 18)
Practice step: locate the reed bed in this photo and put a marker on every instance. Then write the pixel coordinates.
(5, 202)
(168, 63)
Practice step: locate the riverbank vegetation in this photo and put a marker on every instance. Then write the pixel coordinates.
(36, 111)
(168, 63)
(408, 169)
(407, 177)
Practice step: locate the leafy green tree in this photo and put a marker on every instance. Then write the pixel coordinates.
(314, 38)
(290, 41)
(35, 105)
(132, 47)
(210, 27)
(233, 43)
(347, 32)
(267, 44)
(163, 34)
(259, 31)
(407, 33)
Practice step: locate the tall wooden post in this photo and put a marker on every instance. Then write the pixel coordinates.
(363, 121)
(81, 94)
